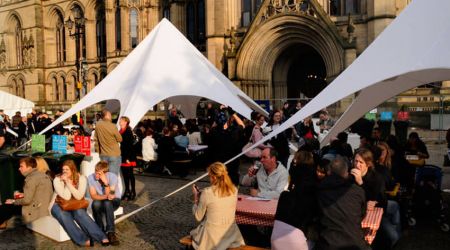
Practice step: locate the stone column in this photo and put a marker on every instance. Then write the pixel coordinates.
(91, 39)
(125, 26)
(110, 32)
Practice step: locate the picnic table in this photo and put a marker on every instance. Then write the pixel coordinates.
(261, 212)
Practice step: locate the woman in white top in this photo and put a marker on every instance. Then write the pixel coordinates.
(194, 135)
(149, 146)
(70, 184)
(215, 209)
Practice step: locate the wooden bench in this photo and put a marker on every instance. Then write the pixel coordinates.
(187, 242)
(182, 167)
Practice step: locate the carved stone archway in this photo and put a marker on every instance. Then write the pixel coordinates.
(258, 58)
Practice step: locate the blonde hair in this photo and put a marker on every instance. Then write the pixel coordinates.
(220, 180)
(102, 166)
(388, 160)
(41, 165)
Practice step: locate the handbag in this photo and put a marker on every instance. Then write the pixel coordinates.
(446, 161)
(72, 204)
(253, 153)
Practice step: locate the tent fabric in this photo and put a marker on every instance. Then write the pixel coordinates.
(11, 104)
(164, 65)
(410, 52)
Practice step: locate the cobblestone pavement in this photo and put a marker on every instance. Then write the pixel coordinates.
(161, 225)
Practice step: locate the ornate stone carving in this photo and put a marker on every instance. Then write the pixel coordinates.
(350, 29)
(277, 7)
(2, 55)
(28, 51)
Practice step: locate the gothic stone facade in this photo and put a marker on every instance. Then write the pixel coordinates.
(272, 49)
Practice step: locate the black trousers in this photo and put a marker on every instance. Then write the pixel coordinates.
(128, 179)
(7, 211)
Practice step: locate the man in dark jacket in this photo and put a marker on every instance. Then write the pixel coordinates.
(342, 205)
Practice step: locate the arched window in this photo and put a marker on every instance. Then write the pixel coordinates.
(78, 13)
(64, 89)
(55, 89)
(134, 21)
(13, 87)
(100, 30)
(18, 41)
(95, 79)
(20, 88)
(76, 90)
(60, 39)
(195, 23)
(118, 27)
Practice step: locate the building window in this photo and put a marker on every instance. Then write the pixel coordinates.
(20, 88)
(118, 27)
(166, 12)
(100, 29)
(78, 13)
(64, 89)
(55, 89)
(345, 7)
(18, 41)
(134, 21)
(249, 10)
(76, 90)
(352, 7)
(195, 23)
(166, 9)
(60, 39)
(190, 13)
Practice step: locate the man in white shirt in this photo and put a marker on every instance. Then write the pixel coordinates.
(271, 179)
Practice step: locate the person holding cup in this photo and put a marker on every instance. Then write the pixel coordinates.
(271, 179)
(36, 196)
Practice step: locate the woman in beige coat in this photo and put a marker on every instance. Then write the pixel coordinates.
(215, 210)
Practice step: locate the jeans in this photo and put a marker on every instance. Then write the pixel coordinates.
(105, 208)
(390, 223)
(113, 163)
(88, 227)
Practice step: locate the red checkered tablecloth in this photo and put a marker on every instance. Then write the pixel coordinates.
(255, 212)
(262, 213)
(371, 223)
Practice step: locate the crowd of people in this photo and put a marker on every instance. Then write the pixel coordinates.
(322, 196)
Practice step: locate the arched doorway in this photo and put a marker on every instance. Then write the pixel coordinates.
(299, 72)
(289, 56)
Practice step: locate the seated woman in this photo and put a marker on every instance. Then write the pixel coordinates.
(415, 146)
(43, 167)
(215, 208)
(374, 187)
(384, 165)
(71, 185)
(148, 147)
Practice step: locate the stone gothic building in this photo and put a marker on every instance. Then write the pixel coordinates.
(51, 50)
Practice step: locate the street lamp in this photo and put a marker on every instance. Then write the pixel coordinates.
(77, 26)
